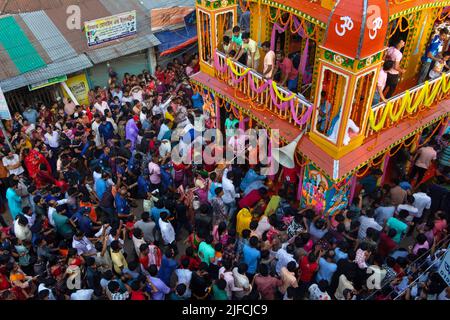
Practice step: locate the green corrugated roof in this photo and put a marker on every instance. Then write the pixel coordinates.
(18, 46)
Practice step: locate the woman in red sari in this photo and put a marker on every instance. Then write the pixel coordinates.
(33, 160)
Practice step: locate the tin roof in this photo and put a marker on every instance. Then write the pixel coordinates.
(52, 70)
(50, 37)
(123, 48)
(44, 26)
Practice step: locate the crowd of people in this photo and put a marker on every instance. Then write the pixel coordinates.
(95, 208)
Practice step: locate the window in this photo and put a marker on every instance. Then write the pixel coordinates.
(331, 102)
(361, 98)
(205, 37)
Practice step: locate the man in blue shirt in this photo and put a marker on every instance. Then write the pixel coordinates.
(432, 54)
(327, 267)
(160, 289)
(83, 221)
(31, 115)
(370, 181)
(106, 130)
(168, 266)
(251, 256)
(101, 185)
(104, 159)
(122, 206)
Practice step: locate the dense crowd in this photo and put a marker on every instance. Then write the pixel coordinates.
(95, 208)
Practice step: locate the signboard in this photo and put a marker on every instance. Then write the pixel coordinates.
(79, 87)
(444, 268)
(110, 28)
(47, 83)
(4, 110)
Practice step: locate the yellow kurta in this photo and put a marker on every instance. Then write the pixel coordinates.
(244, 217)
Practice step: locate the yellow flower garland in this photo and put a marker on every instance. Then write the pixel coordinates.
(426, 97)
(274, 84)
(278, 94)
(236, 73)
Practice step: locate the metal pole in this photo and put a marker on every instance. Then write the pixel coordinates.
(69, 92)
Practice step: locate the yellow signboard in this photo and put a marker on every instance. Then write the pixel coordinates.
(79, 87)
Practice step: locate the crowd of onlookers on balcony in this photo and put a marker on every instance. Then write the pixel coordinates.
(434, 63)
(283, 68)
(276, 65)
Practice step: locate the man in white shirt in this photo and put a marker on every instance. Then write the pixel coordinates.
(165, 148)
(167, 230)
(52, 138)
(161, 107)
(95, 125)
(226, 273)
(21, 229)
(421, 201)
(241, 281)
(367, 221)
(229, 192)
(12, 162)
(29, 215)
(408, 206)
(100, 105)
(83, 245)
(284, 256)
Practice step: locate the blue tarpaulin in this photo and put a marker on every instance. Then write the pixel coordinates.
(172, 38)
